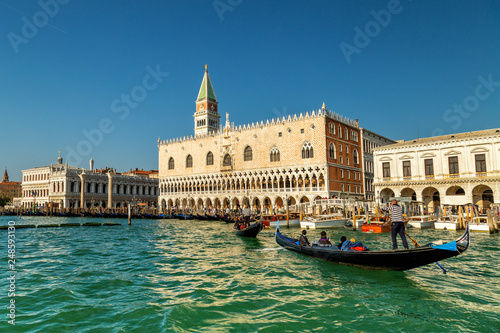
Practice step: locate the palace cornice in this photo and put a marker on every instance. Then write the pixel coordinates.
(437, 144)
(267, 123)
(440, 181)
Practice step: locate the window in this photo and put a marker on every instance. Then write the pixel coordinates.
(210, 158)
(280, 134)
(341, 173)
(340, 132)
(348, 174)
(226, 161)
(347, 160)
(331, 150)
(189, 161)
(340, 148)
(332, 128)
(480, 163)
(406, 169)
(346, 134)
(453, 165)
(247, 156)
(171, 163)
(429, 167)
(341, 159)
(307, 150)
(275, 155)
(347, 149)
(355, 157)
(386, 170)
(302, 131)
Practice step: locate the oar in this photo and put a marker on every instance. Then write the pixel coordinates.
(418, 245)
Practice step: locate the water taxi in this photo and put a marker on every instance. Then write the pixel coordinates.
(377, 224)
(447, 223)
(421, 222)
(270, 221)
(479, 224)
(328, 221)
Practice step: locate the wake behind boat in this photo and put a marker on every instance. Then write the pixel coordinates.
(389, 260)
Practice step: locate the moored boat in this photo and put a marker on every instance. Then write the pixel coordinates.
(376, 224)
(391, 260)
(447, 223)
(421, 222)
(479, 224)
(270, 221)
(328, 221)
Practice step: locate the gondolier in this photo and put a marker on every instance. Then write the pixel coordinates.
(246, 215)
(397, 225)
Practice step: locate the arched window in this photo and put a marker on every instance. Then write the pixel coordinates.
(189, 161)
(332, 128)
(210, 158)
(340, 132)
(275, 155)
(247, 156)
(307, 150)
(227, 160)
(346, 134)
(171, 163)
(355, 157)
(333, 153)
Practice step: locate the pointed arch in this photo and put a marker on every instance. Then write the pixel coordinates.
(247, 154)
(171, 163)
(210, 158)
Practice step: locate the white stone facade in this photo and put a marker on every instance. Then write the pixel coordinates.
(371, 141)
(59, 185)
(453, 169)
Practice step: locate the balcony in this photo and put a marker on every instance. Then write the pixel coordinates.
(453, 175)
(386, 179)
(406, 178)
(429, 177)
(481, 174)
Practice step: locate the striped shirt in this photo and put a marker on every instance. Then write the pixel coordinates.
(396, 213)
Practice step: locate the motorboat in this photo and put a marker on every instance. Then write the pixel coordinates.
(421, 222)
(360, 220)
(376, 224)
(479, 224)
(327, 221)
(270, 221)
(447, 223)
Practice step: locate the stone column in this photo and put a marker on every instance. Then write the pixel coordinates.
(110, 188)
(82, 190)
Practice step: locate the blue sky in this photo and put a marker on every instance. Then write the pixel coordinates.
(403, 68)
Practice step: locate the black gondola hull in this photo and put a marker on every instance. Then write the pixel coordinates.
(391, 260)
(252, 231)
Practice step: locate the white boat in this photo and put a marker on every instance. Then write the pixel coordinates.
(479, 224)
(421, 222)
(447, 223)
(360, 220)
(329, 221)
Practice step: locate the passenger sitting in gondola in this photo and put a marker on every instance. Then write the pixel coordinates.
(238, 225)
(342, 240)
(303, 239)
(324, 241)
(352, 245)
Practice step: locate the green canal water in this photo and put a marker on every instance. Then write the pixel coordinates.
(194, 276)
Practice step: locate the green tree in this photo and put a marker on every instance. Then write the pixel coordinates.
(4, 201)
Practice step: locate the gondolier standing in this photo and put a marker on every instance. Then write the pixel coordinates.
(397, 225)
(246, 214)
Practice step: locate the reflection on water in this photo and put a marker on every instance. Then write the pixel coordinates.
(191, 276)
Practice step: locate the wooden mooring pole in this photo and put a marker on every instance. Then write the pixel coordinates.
(129, 215)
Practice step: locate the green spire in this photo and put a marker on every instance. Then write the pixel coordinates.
(206, 89)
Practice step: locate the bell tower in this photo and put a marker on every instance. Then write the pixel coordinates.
(206, 117)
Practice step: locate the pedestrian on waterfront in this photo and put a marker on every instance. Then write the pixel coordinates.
(303, 241)
(246, 215)
(397, 224)
(324, 241)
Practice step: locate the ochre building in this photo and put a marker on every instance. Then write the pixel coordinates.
(297, 158)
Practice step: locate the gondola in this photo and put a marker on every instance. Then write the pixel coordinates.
(227, 219)
(251, 231)
(389, 260)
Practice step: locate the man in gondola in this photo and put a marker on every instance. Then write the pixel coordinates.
(246, 215)
(397, 224)
(303, 241)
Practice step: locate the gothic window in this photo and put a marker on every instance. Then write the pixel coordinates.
(307, 150)
(355, 157)
(275, 155)
(227, 160)
(346, 134)
(210, 158)
(340, 132)
(247, 156)
(171, 163)
(189, 161)
(332, 128)
(332, 150)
